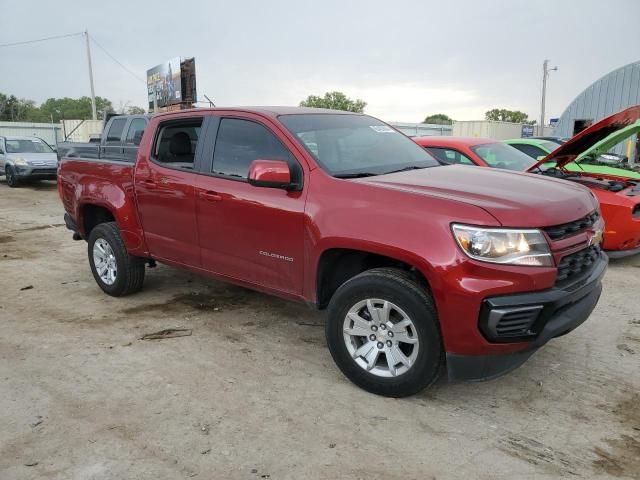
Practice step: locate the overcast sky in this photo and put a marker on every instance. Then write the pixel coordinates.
(406, 59)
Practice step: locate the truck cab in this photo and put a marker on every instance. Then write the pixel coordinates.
(119, 141)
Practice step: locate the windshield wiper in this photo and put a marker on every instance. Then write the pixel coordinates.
(355, 175)
(406, 169)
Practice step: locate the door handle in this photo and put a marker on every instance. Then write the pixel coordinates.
(150, 184)
(210, 196)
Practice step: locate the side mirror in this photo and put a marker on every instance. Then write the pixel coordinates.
(270, 173)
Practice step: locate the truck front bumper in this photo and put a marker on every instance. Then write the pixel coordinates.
(535, 319)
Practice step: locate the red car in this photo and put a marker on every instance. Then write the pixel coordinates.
(619, 197)
(417, 264)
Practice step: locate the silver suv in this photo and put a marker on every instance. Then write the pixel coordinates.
(23, 158)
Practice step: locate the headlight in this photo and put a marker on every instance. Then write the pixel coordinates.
(500, 245)
(20, 161)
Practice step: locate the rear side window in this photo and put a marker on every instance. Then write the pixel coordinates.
(136, 129)
(240, 142)
(176, 142)
(531, 150)
(448, 155)
(115, 130)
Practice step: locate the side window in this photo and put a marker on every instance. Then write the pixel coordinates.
(175, 144)
(531, 150)
(240, 142)
(136, 128)
(115, 130)
(447, 155)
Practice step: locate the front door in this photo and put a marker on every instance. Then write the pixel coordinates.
(249, 233)
(165, 192)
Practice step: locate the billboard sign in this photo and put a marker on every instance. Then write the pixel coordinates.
(527, 131)
(164, 84)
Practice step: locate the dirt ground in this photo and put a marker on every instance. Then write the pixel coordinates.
(253, 393)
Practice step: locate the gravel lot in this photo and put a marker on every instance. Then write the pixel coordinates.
(253, 392)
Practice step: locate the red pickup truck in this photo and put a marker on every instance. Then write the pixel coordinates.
(419, 265)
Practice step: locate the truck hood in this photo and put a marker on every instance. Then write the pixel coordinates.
(597, 136)
(514, 199)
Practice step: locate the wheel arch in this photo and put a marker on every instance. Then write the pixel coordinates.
(91, 214)
(336, 265)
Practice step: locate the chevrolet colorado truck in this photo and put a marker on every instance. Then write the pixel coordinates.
(420, 266)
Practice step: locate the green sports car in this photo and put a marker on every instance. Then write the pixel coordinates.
(591, 161)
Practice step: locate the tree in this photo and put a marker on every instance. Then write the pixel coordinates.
(335, 101)
(73, 109)
(438, 119)
(15, 109)
(504, 115)
(134, 110)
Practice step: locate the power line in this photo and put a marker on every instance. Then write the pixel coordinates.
(115, 60)
(40, 39)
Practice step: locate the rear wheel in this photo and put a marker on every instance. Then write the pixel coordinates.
(116, 272)
(383, 333)
(11, 176)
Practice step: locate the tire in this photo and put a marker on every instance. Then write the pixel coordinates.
(129, 270)
(11, 177)
(405, 298)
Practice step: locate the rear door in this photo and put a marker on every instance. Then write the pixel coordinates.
(165, 191)
(111, 147)
(249, 233)
(131, 142)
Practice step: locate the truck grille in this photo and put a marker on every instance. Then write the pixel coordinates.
(566, 229)
(576, 265)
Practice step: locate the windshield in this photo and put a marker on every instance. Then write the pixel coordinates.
(501, 155)
(31, 145)
(356, 145)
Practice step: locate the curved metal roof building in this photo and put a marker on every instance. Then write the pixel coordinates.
(615, 91)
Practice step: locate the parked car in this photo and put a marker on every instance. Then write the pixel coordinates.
(598, 164)
(619, 198)
(26, 158)
(417, 264)
(119, 141)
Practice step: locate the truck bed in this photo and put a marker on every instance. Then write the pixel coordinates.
(78, 149)
(83, 180)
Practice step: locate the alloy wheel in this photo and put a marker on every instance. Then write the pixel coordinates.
(380, 337)
(105, 261)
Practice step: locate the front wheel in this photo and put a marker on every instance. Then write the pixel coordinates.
(12, 177)
(383, 333)
(116, 272)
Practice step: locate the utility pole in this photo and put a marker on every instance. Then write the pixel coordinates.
(545, 74)
(93, 93)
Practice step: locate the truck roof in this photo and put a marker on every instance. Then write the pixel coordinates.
(273, 111)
